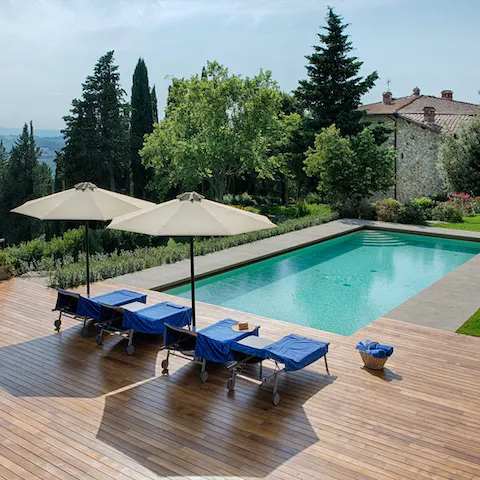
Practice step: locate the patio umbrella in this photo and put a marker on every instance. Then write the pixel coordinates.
(191, 215)
(84, 202)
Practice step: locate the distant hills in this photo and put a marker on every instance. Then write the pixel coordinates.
(48, 140)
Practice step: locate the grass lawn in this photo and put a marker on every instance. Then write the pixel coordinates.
(469, 223)
(471, 326)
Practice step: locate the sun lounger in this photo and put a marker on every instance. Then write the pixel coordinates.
(137, 317)
(209, 344)
(82, 308)
(67, 304)
(293, 352)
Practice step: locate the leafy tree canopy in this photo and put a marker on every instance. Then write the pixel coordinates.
(459, 158)
(218, 127)
(349, 168)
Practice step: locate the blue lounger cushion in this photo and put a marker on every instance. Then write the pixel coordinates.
(90, 307)
(294, 351)
(152, 319)
(213, 342)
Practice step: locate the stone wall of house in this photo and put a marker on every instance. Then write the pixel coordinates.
(417, 149)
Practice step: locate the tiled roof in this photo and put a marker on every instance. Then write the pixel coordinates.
(446, 122)
(416, 103)
(448, 113)
(381, 108)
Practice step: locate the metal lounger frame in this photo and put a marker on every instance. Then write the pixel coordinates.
(176, 349)
(69, 310)
(108, 326)
(237, 367)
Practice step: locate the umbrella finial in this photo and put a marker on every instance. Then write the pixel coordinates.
(190, 196)
(85, 186)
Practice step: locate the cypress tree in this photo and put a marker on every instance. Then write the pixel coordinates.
(141, 123)
(153, 96)
(333, 90)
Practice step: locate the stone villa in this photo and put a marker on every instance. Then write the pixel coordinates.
(421, 123)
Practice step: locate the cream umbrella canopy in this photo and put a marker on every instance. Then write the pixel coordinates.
(84, 202)
(191, 215)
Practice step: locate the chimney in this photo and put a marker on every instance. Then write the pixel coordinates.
(447, 94)
(429, 114)
(387, 98)
(416, 92)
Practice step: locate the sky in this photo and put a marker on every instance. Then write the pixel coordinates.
(48, 47)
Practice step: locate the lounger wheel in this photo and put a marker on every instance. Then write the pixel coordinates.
(276, 399)
(204, 376)
(84, 332)
(130, 350)
(99, 339)
(165, 366)
(57, 324)
(230, 384)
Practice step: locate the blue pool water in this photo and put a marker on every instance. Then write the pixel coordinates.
(339, 285)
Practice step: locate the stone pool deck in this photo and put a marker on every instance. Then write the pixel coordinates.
(445, 305)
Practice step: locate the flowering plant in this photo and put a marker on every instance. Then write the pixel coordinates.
(469, 204)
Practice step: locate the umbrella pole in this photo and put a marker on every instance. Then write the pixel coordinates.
(87, 253)
(192, 282)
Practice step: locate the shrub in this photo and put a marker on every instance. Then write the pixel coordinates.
(387, 209)
(470, 205)
(367, 210)
(410, 212)
(247, 209)
(424, 202)
(314, 198)
(303, 209)
(5, 273)
(448, 212)
(244, 199)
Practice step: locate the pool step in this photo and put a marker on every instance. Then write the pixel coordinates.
(372, 238)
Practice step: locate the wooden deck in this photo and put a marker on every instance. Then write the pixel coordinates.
(70, 409)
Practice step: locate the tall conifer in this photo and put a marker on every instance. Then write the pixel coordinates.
(333, 90)
(141, 123)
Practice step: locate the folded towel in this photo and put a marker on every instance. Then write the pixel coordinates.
(374, 346)
(361, 345)
(376, 352)
(174, 305)
(386, 348)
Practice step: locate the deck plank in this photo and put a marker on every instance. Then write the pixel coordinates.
(71, 409)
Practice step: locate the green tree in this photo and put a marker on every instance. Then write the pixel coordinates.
(96, 132)
(459, 158)
(333, 90)
(141, 123)
(217, 130)
(349, 168)
(3, 159)
(23, 178)
(153, 96)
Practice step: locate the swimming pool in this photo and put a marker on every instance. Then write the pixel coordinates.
(339, 285)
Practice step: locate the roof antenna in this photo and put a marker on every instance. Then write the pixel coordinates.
(388, 85)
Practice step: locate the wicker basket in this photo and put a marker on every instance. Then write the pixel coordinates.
(371, 362)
